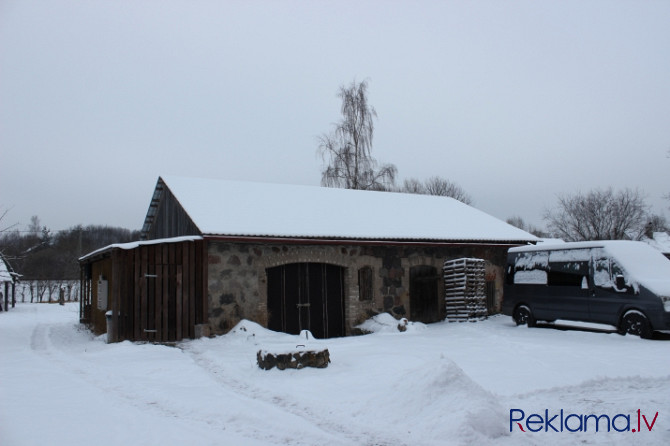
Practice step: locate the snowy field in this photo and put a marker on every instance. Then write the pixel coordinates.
(440, 384)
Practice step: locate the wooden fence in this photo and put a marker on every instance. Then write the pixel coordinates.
(35, 291)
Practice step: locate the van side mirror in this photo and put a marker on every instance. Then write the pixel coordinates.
(620, 282)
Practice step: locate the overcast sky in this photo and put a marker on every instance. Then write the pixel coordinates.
(516, 101)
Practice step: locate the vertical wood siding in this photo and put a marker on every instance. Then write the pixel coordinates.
(158, 292)
(170, 219)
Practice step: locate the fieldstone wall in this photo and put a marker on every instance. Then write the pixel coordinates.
(237, 281)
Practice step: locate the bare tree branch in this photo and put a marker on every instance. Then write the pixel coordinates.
(599, 215)
(436, 186)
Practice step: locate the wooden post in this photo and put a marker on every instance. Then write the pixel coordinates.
(115, 296)
(137, 286)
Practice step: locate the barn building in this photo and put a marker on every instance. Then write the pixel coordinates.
(288, 257)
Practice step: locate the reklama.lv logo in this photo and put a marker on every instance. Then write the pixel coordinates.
(572, 422)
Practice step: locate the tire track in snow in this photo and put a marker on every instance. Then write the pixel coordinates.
(38, 338)
(360, 436)
(41, 343)
(242, 425)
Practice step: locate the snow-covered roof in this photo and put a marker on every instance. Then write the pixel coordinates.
(5, 272)
(133, 245)
(233, 208)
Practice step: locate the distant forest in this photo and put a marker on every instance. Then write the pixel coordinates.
(39, 254)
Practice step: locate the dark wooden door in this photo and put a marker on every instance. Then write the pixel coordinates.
(423, 299)
(306, 296)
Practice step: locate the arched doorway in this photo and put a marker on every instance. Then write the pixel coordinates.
(306, 296)
(423, 296)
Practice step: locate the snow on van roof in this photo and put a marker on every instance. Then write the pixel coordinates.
(642, 263)
(554, 245)
(234, 208)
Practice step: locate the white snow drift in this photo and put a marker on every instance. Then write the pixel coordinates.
(430, 385)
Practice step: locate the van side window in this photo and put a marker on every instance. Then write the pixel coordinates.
(568, 273)
(618, 279)
(529, 269)
(532, 277)
(605, 272)
(601, 273)
(615, 269)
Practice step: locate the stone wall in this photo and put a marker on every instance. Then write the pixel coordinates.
(237, 282)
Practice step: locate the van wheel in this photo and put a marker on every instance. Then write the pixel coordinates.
(636, 324)
(523, 316)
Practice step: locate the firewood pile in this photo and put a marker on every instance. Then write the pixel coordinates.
(298, 359)
(288, 357)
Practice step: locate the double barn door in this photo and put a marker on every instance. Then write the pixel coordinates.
(306, 296)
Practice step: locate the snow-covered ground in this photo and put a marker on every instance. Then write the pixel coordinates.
(430, 385)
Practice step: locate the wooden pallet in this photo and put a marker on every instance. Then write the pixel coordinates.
(465, 289)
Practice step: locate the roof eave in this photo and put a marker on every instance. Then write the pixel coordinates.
(364, 241)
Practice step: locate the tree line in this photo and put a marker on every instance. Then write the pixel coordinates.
(600, 214)
(40, 254)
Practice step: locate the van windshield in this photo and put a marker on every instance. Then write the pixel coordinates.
(642, 264)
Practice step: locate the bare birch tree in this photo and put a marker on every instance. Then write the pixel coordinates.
(348, 148)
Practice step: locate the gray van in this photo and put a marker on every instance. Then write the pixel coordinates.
(621, 283)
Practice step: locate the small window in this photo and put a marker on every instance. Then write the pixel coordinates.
(365, 283)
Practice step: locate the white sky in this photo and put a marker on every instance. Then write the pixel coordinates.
(516, 101)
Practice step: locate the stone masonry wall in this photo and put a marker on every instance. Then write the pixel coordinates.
(237, 281)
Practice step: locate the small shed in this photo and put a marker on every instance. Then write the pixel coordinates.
(145, 291)
(289, 257)
(8, 279)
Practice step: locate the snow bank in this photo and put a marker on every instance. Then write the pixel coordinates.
(385, 323)
(438, 399)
